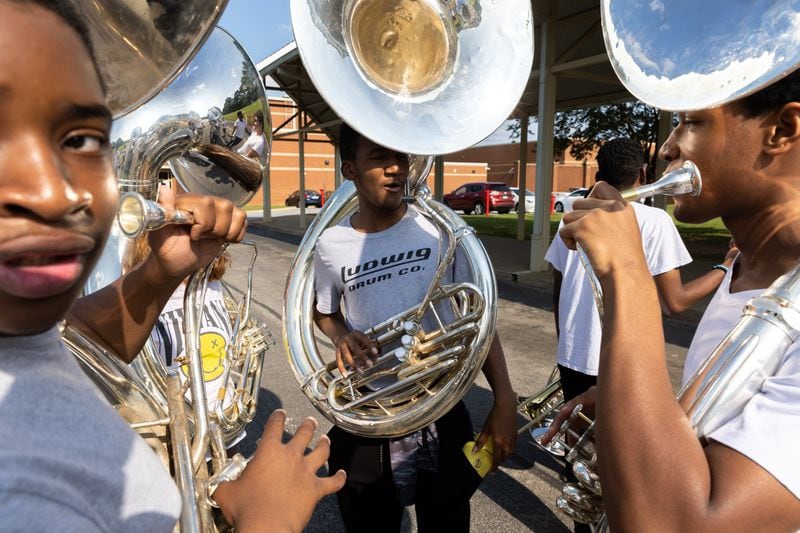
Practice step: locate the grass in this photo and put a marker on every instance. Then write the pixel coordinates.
(704, 241)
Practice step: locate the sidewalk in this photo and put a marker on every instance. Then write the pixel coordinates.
(510, 258)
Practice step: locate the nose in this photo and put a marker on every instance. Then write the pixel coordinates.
(36, 181)
(396, 163)
(668, 150)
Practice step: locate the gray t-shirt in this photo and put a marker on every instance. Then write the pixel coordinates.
(68, 461)
(379, 275)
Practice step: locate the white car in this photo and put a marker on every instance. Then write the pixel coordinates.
(530, 200)
(564, 204)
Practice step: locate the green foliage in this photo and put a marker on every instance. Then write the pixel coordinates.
(584, 130)
(245, 94)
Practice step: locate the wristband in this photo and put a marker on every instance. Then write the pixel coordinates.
(720, 267)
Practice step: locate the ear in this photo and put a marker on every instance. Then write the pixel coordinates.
(349, 170)
(785, 134)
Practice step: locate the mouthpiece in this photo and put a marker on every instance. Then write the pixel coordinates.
(685, 180)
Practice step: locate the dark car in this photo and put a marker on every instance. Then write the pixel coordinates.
(312, 198)
(472, 197)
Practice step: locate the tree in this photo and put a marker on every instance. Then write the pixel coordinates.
(584, 130)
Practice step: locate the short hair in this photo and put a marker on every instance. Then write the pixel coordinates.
(66, 13)
(619, 162)
(348, 142)
(772, 97)
(239, 114)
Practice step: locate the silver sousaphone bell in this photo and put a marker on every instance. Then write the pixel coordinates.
(419, 77)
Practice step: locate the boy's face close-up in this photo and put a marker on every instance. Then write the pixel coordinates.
(379, 175)
(726, 147)
(58, 194)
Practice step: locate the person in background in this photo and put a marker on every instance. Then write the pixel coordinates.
(620, 165)
(216, 329)
(256, 142)
(239, 130)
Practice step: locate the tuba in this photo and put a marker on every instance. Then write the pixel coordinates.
(406, 74)
(747, 49)
(173, 82)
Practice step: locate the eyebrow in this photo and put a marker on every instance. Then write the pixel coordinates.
(78, 111)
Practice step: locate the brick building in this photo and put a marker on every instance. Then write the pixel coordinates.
(481, 163)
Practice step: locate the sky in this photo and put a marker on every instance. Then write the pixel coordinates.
(263, 27)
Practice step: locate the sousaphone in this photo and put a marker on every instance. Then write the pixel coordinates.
(174, 82)
(419, 77)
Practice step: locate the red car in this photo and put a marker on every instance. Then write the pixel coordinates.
(472, 197)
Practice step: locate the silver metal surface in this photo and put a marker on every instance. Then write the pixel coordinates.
(141, 45)
(440, 365)
(749, 354)
(684, 55)
(137, 215)
(189, 125)
(422, 76)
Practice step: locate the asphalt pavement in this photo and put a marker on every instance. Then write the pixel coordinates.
(520, 496)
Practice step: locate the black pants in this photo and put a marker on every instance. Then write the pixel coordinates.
(233, 142)
(574, 383)
(368, 502)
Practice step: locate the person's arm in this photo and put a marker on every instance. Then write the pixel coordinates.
(501, 423)
(676, 296)
(557, 280)
(122, 314)
(641, 429)
(279, 488)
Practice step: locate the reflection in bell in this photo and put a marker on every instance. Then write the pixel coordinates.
(402, 46)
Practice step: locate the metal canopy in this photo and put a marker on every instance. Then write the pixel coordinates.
(581, 65)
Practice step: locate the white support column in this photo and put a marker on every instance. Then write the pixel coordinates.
(438, 178)
(302, 156)
(540, 239)
(664, 127)
(523, 176)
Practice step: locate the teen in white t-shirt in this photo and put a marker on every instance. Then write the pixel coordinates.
(578, 320)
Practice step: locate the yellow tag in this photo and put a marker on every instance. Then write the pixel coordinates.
(482, 460)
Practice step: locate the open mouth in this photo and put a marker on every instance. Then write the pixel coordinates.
(394, 186)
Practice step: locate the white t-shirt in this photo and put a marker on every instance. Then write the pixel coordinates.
(239, 127)
(768, 428)
(215, 339)
(254, 142)
(578, 320)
